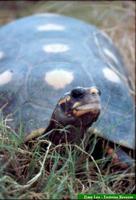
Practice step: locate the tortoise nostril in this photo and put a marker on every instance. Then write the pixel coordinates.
(78, 92)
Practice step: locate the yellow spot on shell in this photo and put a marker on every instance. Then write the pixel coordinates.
(5, 77)
(50, 27)
(59, 78)
(2, 55)
(55, 48)
(111, 75)
(110, 54)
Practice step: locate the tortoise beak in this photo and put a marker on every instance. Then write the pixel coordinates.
(89, 102)
(92, 108)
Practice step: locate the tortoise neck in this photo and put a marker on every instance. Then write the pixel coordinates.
(65, 134)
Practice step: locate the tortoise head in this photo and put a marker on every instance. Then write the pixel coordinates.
(81, 106)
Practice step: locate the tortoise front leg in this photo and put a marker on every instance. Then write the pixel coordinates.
(120, 157)
(34, 134)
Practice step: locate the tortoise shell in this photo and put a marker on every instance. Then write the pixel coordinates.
(45, 55)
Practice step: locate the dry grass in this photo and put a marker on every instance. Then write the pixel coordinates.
(29, 173)
(56, 172)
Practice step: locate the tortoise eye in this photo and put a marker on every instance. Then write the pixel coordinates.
(63, 106)
(63, 102)
(95, 91)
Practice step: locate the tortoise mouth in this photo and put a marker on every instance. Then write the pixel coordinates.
(92, 108)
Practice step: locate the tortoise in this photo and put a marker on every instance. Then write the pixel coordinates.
(57, 71)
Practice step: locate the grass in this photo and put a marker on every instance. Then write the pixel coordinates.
(56, 172)
(63, 171)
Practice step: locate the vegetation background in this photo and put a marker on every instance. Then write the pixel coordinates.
(25, 174)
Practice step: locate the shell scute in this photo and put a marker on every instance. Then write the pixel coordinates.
(40, 47)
